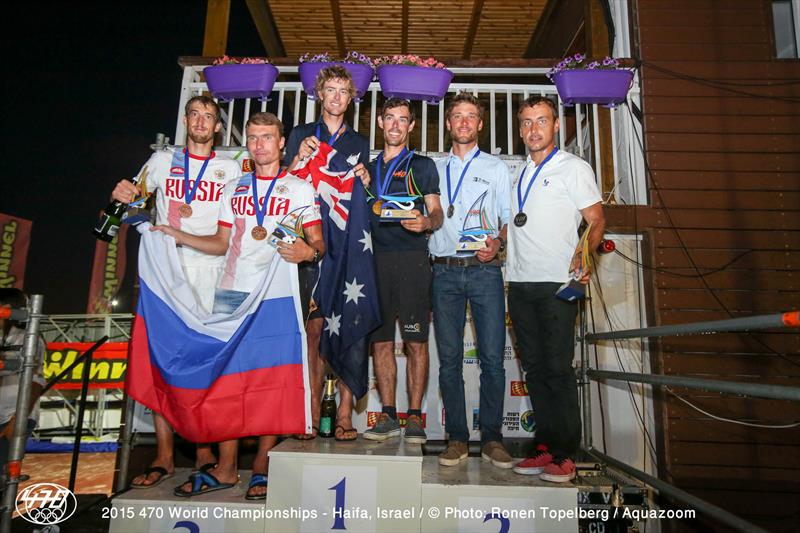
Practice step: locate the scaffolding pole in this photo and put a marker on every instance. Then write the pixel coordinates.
(756, 390)
(789, 319)
(717, 513)
(17, 446)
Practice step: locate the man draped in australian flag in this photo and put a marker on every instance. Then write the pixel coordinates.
(331, 155)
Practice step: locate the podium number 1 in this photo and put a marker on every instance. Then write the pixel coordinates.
(338, 510)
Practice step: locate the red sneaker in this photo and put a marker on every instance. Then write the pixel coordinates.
(535, 465)
(559, 471)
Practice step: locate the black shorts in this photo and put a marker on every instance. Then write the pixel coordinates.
(404, 290)
(308, 274)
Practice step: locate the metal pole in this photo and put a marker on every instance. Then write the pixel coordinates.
(721, 515)
(757, 390)
(76, 446)
(125, 440)
(586, 393)
(17, 446)
(790, 319)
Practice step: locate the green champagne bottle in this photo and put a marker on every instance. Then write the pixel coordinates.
(328, 411)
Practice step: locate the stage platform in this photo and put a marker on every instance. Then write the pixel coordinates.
(324, 485)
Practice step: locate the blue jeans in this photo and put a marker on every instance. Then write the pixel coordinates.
(227, 301)
(482, 287)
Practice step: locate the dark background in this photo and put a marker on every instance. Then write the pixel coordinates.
(87, 88)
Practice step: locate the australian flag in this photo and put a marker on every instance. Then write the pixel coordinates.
(347, 293)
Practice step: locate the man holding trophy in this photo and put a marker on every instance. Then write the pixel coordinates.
(466, 269)
(403, 186)
(190, 184)
(550, 197)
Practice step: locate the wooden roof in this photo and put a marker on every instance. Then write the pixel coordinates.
(443, 28)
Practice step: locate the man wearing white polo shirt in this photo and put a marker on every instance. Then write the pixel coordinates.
(554, 192)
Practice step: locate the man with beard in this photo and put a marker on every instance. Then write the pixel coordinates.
(250, 213)
(335, 90)
(554, 192)
(477, 186)
(190, 184)
(402, 269)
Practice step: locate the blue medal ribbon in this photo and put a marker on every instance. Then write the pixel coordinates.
(451, 198)
(520, 200)
(261, 210)
(333, 137)
(189, 192)
(385, 180)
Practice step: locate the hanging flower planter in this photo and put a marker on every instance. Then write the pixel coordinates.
(233, 80)
(362, 76)
(595, 83)
(414, 83)
(606, 87)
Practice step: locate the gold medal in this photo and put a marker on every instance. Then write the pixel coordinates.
(259, 233)
(376, 207)
(185, 210)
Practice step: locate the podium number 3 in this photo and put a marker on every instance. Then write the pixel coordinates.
(338, 508)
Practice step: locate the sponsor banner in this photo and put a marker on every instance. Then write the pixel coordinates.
(517, 412)
(15, 239)
(109, 363)
(108, 271)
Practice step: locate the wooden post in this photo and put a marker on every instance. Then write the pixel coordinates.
(597, 47)
(215, 41)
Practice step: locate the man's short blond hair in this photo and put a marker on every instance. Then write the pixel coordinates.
(334, 72)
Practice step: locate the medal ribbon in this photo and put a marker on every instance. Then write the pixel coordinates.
(520, 200)
(385, 180)
(451, 198)
(261, 210)
(189, 192)
(333, 137)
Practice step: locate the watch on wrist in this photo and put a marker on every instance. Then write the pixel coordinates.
(502, 244)
(317, 256)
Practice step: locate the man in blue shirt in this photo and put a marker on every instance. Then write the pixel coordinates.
(335, 90)
(402, 268)
(466, 269)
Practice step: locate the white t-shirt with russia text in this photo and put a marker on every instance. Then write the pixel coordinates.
(248, 258)
(543, 248)
(166, 173)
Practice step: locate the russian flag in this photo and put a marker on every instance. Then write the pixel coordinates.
(218, 377)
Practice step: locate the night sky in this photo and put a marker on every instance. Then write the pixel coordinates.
(88, 87)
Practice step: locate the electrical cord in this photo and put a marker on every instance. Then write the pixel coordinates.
(731, 420)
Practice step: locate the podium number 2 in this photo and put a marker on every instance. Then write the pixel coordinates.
(338, 511)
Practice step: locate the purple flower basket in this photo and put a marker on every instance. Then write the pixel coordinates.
(362, 76)
(607, 87)
(227, 82)
(414, 83)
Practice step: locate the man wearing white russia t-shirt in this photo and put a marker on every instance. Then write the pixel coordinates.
(252, 210)
(548, 200)
(190, 185)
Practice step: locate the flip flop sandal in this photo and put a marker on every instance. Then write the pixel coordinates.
(206, 467)
(256, 480)
(202, 482)
(349, 431)
(163, 475)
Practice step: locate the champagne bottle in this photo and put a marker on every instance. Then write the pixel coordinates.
(108, 225)
(328, 411)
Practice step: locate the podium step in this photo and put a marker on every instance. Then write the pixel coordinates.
(157, 509)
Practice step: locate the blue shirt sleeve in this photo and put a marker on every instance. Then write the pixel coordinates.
(292, 146)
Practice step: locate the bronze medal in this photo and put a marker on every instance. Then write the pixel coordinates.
(376, 207)
(259, 233)
(185, 210)
(520, 219)
(450, 211)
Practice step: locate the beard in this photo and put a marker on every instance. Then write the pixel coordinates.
(202, 138)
